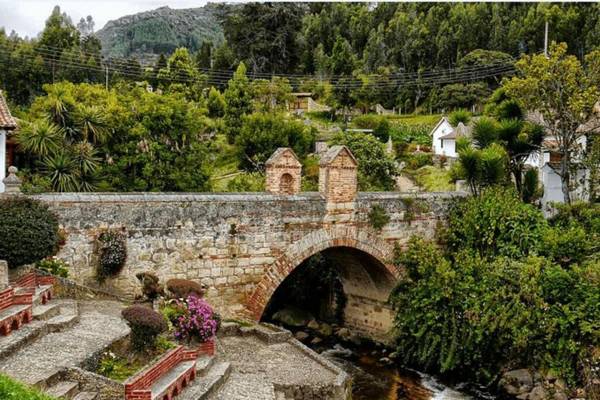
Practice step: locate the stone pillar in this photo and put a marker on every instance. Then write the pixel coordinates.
(338, 175)
(3, 274)
(283, 172)
(12, 183)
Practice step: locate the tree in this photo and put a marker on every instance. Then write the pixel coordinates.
(376, 169)
(215, 103)
(564, 92)
(263, 133)
(238, 102)
(264, 35)
(204, 56)
(271, 95)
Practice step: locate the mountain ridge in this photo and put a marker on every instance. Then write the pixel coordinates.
(146, 35)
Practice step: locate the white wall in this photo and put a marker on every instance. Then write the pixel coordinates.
(449, 148)
(442, 129)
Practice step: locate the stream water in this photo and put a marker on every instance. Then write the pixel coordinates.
(374, 381)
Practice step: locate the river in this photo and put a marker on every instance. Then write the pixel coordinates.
(375, 381)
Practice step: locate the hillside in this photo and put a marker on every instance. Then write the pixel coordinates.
(147, 34)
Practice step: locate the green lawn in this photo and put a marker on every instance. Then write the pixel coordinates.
(433, 179)
(13, 390)
(411, 119)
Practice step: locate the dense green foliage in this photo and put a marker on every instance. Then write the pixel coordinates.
(261, 134)
(493, 301)
(13, 390)
(375, 168)
(28, 231)
(54, 266)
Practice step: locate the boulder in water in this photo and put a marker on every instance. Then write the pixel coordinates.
(325, 330)
(292, 316)
(313, 324)
(301, 336)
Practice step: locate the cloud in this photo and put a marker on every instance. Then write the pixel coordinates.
(27, 17)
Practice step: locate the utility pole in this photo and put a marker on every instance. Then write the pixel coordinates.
(546, 39)
(106, 76)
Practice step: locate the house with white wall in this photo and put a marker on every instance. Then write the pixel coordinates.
(7, 126)
(444, 137)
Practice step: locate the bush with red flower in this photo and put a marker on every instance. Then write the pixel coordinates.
(195, 320)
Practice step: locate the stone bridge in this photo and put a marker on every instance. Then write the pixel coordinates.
(242, 246)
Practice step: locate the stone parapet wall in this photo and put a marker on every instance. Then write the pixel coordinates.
(241, 246)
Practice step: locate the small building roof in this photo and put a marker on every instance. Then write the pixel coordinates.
(301, 94)
(441, 121)
(333, 152)
(7, 122)
(461, 130)
(281, 153)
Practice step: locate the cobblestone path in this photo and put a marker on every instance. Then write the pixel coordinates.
(100, 323)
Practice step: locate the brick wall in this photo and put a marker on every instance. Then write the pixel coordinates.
(145, 378)
(6, 297)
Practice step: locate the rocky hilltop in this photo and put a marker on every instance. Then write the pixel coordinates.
(148, 34)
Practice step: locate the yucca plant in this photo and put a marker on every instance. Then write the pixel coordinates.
(485, 132)
(92, 124)
(40, 137)
(62, 171)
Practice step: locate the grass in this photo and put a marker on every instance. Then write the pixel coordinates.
(13, 390)
(416, 119)
(433, 179)
(225, 163)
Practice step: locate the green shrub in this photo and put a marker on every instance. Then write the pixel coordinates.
(13, 390)
(54, 266)
(28, 231)
(146, 324)
(496, 223)
(379, 124)
(459, 116)
(112, 253)
(182, 288)
(480, 316)
(378, 217)
(247, 182)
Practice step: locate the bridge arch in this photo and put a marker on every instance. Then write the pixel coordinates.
(370, 270)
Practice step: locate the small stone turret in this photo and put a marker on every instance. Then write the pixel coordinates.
(284, 172)
(338, 179)
(12, 183)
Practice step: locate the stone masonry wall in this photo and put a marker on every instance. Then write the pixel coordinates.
(241, 246)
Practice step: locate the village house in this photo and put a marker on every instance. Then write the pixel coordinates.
(7, 144)
(444, 137)
(302, 102)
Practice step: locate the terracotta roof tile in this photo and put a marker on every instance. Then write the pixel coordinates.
(6, 119)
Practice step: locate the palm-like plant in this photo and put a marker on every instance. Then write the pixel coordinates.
(86, 160)
(59, 105)
(41, 137)
(485, 132)
(62, 171)
(92, 124)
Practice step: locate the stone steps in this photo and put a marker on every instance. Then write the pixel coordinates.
(48, 318)
(46, 311)
(210, 382)
(86, 396)
(63, 390)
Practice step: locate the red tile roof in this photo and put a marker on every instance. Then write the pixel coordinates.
(7, 121)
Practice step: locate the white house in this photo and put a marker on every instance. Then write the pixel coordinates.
(7, 125)
(444, 137)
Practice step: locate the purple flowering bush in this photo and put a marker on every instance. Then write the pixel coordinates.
(199, 321)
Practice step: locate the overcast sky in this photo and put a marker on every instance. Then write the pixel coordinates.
(27, 17)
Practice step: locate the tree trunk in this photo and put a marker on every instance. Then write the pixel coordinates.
(565, 177)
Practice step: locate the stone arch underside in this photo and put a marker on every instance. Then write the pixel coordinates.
(367, 272)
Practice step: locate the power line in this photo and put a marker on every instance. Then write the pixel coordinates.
(434, 77)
